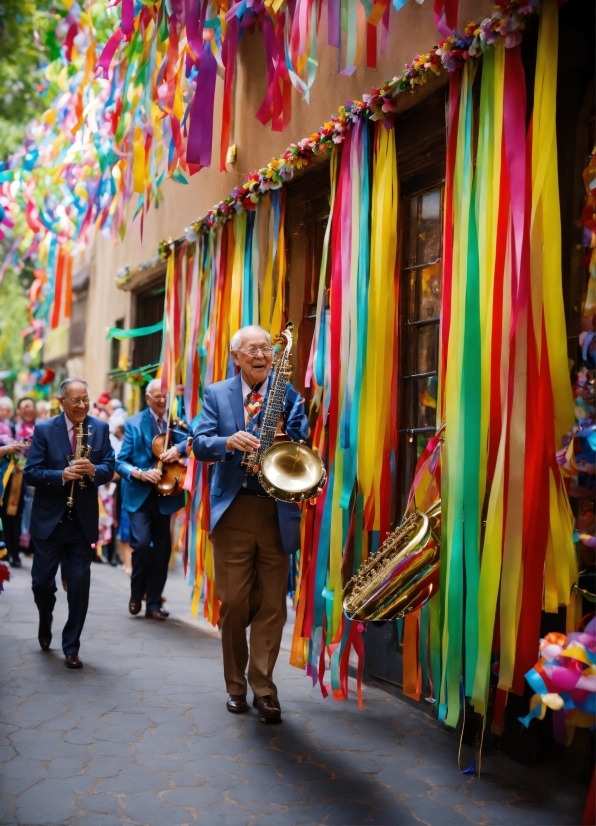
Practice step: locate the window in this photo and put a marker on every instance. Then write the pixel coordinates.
(115, 347)
(149, 309)
(419, 332)
(307, 213)
(77, 323)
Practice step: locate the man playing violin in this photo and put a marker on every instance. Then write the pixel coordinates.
(149, 511)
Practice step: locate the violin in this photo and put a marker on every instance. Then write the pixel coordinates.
(173, 474)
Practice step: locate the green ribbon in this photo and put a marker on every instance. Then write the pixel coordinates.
(117, 332)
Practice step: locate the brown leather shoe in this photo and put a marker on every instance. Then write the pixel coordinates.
(134, 606)
(156, 615)
(74, 661)
(268, 708)
(45, 640)
(44, 634)
(237, 703)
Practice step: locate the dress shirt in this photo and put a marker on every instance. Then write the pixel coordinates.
(164, 419)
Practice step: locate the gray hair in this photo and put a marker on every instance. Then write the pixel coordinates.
(236, 340)
(67, 382)
(6, 401)
(152, 384)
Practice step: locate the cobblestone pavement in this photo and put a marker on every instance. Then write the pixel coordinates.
(141, 736)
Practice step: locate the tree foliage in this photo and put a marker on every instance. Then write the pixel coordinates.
(13, 320)
(27, 42)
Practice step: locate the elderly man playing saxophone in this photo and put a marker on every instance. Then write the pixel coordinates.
(252, 534)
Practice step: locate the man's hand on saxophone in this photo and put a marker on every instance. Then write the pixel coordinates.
(78, 469)
(242, 441)
(85, 467)
(71, 474)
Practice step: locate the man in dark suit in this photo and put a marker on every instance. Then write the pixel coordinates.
(253, 535)
(64, 533)
(149, 511)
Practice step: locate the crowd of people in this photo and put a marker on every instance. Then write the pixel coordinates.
(17, 424)
(64, 467)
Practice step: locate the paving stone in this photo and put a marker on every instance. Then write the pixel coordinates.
(102, 803)
(106, 748)
(133, 778)
(150, 811)
(106, 766)
(96, 820)
(192, 798)
(51, 801)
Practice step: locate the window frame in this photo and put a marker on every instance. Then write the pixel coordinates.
(408, 432)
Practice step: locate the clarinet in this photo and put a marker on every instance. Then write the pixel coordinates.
(82, 451)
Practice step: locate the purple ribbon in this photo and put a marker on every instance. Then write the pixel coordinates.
(333, 26)
(200, 130)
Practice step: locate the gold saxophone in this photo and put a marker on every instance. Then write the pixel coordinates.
(402, 575)
(287, 471)
(82, 451)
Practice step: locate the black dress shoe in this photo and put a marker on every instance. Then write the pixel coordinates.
(268, 708)
(74, 661)
(134, 606)
(237, 703)
(15, 563)
(155, 615)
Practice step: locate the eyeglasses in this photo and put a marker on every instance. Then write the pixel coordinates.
(161, 397)
(254, 351)
(76, 402)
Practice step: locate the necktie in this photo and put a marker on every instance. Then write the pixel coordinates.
(253, 404)
(73, 440)
(160, 424)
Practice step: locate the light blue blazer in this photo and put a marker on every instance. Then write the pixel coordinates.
(223, 415)
(139, 432)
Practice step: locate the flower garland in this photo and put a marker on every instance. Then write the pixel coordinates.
(506, 23)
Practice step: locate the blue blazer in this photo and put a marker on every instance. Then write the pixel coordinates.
(139, 432)
(223, 415)
(48, 456)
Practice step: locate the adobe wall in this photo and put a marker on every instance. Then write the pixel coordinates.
(412, 31)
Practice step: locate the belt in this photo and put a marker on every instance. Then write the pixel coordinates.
(249, 492)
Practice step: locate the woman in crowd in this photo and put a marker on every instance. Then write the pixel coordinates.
(42, 407)
(15, 510)
(6, 425)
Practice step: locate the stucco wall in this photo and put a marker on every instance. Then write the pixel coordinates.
(412, 31)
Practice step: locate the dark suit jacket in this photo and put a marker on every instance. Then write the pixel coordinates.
(222, 416)
(48, 456)
(139, 432)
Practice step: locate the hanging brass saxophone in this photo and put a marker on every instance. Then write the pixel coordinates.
(402, 575)
(82, 451)
(287, 471)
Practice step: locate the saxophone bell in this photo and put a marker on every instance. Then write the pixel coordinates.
(402, 575)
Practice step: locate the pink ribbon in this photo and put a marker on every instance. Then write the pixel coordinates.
(108, 53)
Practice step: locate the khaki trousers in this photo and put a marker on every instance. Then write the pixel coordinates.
(251, 582)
